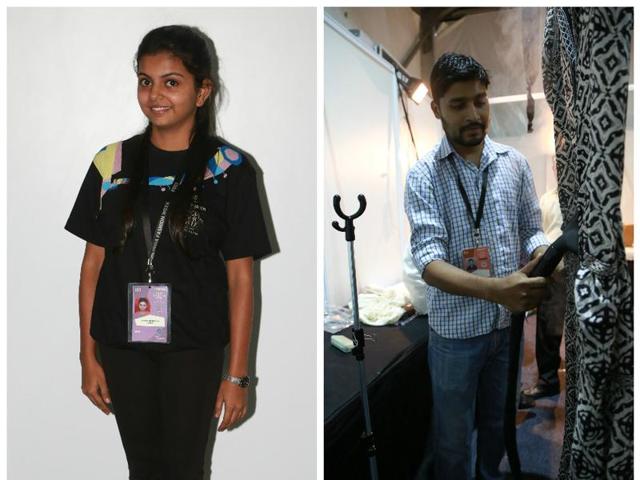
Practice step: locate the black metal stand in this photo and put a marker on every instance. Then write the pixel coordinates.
(357, 331)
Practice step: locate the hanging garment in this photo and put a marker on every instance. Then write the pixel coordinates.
(585, 77)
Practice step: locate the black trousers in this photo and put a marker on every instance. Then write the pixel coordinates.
(163, 403)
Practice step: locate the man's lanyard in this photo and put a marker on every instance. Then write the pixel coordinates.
(146, 226)
(478, 217)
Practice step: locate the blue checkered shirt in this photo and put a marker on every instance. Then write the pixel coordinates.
(441, 228)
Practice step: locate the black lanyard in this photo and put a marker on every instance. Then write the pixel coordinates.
(478, 217)
(146, 226)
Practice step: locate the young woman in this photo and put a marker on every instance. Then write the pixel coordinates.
(171, 217)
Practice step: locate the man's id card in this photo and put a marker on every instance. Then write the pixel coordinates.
(477, 261)
(149, 312)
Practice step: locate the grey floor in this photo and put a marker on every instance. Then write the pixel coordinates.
(540, 429)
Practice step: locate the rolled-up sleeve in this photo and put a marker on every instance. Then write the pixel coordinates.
(429, 237)
(529, 218)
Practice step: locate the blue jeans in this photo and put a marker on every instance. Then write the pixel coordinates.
(469, 383)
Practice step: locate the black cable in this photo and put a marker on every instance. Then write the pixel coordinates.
(406, 117)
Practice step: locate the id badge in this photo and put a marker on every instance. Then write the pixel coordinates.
(477, 261)
(149, 313)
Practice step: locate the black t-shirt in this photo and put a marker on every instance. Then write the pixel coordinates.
(224, 222)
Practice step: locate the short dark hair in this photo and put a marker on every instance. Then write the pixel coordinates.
(455, 67)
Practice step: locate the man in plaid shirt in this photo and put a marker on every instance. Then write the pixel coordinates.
(471, 201)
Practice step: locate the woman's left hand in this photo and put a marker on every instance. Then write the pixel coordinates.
(234, 399)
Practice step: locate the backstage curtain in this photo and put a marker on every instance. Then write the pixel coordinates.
(585, 76)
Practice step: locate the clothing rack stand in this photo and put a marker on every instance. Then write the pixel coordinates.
(357, 331)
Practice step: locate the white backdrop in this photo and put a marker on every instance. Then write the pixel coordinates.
(361, 140)
(71, 90)
(367, 150)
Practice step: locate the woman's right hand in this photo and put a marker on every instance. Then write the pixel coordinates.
(94, 384)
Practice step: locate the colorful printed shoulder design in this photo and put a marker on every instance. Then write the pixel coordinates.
(221, 161)
(108, 161)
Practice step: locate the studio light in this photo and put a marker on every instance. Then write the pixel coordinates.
(415, 88)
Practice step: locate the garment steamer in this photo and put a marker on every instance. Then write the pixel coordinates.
(568, 242)
(357, 331)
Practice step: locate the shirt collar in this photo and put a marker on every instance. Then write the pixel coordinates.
(490, 150)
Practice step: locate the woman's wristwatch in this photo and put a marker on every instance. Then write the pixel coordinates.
(242, 382)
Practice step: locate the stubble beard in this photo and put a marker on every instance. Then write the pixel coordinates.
(458, 138)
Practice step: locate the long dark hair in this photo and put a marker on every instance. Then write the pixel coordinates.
(198, 54)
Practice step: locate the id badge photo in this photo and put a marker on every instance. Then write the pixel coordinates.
(149, 317)
(477, 261)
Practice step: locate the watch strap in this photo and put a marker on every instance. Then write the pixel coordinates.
(242, 382)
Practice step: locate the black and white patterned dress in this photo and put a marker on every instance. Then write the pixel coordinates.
(585, 76)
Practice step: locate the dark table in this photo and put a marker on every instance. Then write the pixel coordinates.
(399, 396)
